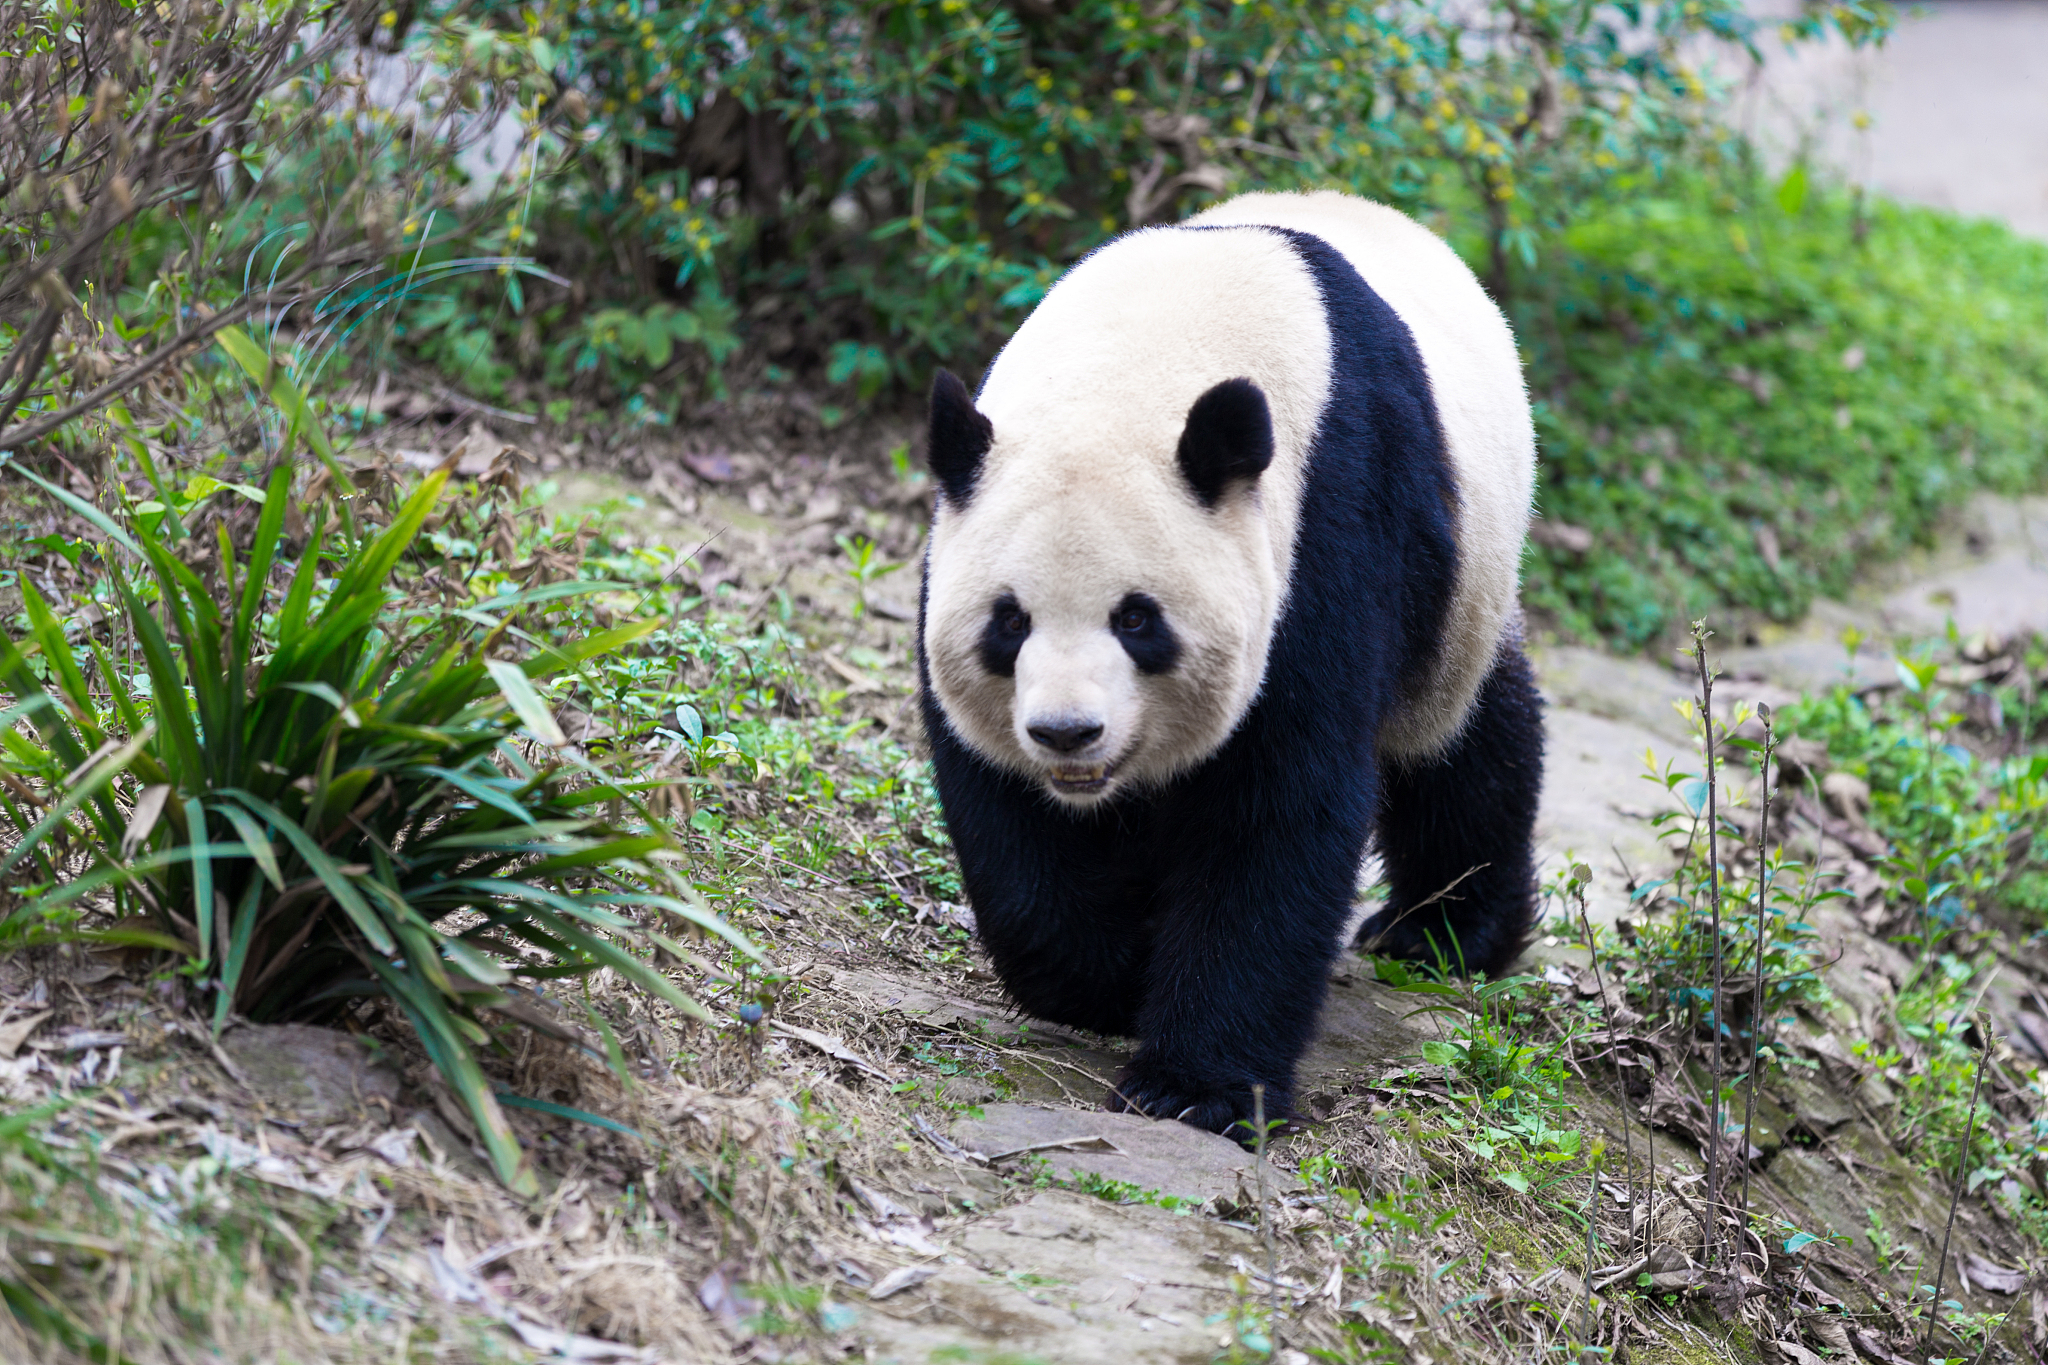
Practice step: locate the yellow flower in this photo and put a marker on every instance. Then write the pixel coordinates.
(1125, 94)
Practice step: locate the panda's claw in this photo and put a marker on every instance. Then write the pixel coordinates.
(1217, 1108)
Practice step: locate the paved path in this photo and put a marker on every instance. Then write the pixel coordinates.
(1957, 106)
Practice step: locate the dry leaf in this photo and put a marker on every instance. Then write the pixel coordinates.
(832, 1047)
(1073, 1144)
(860, 682)
(1992, 1276)
(13, 1035)
(714, 468)
(148, 807)
(902, 1278)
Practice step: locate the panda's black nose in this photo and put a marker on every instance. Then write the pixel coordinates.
(1066, 736)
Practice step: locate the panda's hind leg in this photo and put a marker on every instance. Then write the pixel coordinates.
(1456, 831)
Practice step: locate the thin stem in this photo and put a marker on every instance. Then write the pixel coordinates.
(1756, 1007)
(1999, 1326)
(1592, 1211)
(1715, 1173)
(1956, 1195)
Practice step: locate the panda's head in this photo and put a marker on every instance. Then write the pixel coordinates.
(1102, 586)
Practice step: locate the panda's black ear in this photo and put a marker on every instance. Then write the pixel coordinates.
(1229, 436)
(960, 436)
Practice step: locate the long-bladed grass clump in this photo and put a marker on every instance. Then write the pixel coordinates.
(313, 795)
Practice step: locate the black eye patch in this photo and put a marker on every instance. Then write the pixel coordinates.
(1140, 627)
(1009, 626)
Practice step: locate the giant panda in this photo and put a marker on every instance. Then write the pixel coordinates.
(1221, 588)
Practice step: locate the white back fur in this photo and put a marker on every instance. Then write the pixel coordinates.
(1475, 375)
(1081, 501)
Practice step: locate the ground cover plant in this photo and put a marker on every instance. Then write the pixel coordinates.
(1750, 388)
(303, 790)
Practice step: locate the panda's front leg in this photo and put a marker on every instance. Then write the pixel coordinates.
(1058, 898)
(1254, 897)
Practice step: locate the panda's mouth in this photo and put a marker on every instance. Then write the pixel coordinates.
(1082, 780)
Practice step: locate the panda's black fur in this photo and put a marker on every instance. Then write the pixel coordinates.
(1203, 918)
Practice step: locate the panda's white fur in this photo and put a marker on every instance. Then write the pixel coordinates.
(1080, 499)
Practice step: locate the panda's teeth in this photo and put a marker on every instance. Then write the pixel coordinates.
(1082, 779)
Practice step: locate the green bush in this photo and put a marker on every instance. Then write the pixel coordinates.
(1748, 390)
(912, 175)
(314, 793)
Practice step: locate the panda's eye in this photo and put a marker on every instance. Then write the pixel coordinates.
(1014, 623)
(1132, 619)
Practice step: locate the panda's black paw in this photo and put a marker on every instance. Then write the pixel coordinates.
(1161, 1093)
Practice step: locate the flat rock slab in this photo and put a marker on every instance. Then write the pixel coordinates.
(1615, 687)
(1595, 804)
(310, 1076)
(1365, 1029)
(1042, 1062)
(1067, 1279)
(1152, 1154)
(2005, 598)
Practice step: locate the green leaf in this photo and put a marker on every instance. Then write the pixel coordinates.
(241, 930)
(1442, 1053)
(85, 789)
(82, 507)
(110, 873)
(553, 659)
(255, 841)
(339, 885)
(452, 1057)
(1514, 1180)
(625, 849)
(262, 552)
(50, 635)
(482, 789)
(563, 1111)
(256, 362)
(525, 702)
(1792, 191)
(202, 876)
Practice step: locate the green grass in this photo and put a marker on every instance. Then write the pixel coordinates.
(1732, 373)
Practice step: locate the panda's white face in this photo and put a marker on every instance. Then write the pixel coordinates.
(1115, 530)
(1094, 650)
